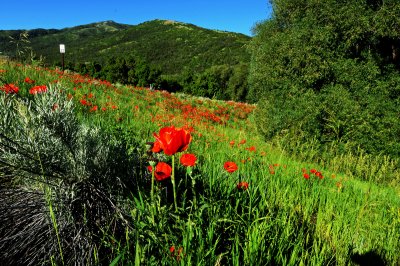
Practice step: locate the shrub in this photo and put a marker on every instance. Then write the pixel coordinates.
(60, 179)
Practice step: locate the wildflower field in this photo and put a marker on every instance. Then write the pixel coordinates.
(94, 173)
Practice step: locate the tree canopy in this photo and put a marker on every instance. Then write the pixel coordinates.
(329, 71)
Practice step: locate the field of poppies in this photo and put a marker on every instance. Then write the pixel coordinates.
(97, 173)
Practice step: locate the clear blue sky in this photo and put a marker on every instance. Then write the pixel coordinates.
(228, 15)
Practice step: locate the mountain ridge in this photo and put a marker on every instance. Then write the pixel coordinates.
(170, 45)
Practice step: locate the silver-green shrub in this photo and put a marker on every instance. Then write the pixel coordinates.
(61, 182)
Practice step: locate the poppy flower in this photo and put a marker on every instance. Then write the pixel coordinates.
(242, 185)
(319, 175)
(28, 80)
(173, 140)
(38, 89)
(156, 147)
(306, 176)
(84, 102)
(230, 167)
(271, 169)
(188, 159)
(162, 171)
(252, 148)
(176, 253)
(9, 88)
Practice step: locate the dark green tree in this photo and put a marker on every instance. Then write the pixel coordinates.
(212, 83)
(328, 70)
(145, 75)
(116, 70)
(238, 85)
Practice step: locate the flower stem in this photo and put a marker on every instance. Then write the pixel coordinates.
(152, 194)
(193, 187)
(173, 182)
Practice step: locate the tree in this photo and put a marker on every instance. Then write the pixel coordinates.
(116, 70)
(314, 56)
(237, 85)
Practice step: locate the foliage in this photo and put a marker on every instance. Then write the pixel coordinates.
(222, 82)
(65, 180)
(268, 209)
(329, 71)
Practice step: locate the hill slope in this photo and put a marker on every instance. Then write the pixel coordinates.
(169, 45)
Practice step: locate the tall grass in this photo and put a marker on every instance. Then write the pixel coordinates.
(349, 215)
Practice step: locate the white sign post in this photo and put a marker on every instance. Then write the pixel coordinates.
(62, 48)
(62, 51)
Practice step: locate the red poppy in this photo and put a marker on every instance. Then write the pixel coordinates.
(252, 148)
(242, 185)
(94, 108)
(84, 102)
(156, 147)
(9, 88)
(28, 80)
(173, 140)
(319, 175)
(38, 89)
(271, 169)
(163, 171)
(176, 253)
(313, 171)
(188, 159)
(230, 167)
(306, 176)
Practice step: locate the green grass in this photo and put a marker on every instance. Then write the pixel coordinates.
(281, 219)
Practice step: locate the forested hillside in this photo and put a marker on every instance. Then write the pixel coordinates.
(172, 54)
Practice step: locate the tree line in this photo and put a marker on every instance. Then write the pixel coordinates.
(224, 82)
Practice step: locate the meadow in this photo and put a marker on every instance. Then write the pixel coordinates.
(77, 186)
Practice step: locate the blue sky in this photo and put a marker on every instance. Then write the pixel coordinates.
(234, 15)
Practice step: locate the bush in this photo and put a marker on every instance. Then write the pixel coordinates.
(60, 179)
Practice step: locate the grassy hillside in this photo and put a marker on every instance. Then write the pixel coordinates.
(168, 45)
(75, 177)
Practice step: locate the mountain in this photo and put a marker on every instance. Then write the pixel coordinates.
(168, 45)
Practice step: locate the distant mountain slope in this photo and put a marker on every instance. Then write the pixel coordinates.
(169, 45)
